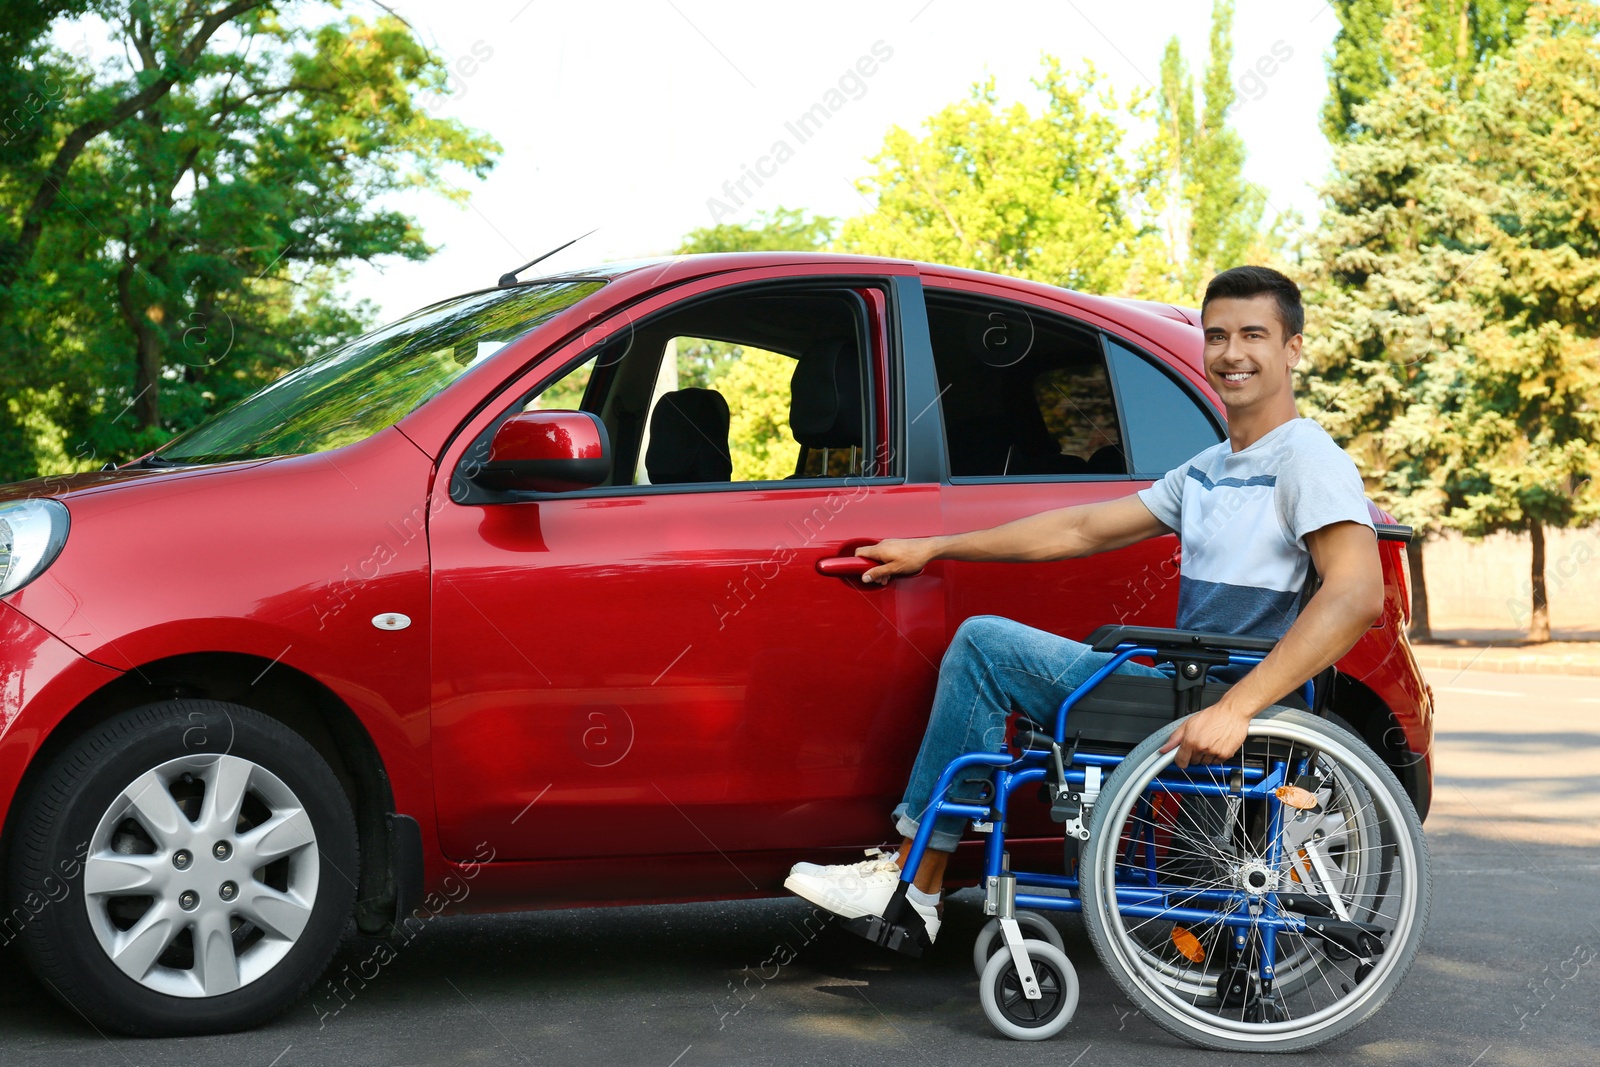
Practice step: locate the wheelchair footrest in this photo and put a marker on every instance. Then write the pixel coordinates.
(899, 927)
(890, 935)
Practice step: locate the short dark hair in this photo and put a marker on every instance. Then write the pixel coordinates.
(1241, 283)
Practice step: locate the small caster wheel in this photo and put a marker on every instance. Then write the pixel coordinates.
(1011, 1012)
(1033, 925)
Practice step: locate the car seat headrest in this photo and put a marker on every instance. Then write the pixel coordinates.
(825, 396)
(689, 438)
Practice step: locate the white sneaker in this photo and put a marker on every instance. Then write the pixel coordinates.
(852, 890)
(874, 856)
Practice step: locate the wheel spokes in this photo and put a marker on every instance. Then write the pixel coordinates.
(287, 832)
(113, 874)
(150, 801)
(1258, 978)
(136, 951)
(226, 780)
(193, 907)
(216, 965)
(280, 915)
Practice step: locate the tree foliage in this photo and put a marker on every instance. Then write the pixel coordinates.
(1213, 212)
(780, 230)
(756, 385)
(1453, 37)
(1455, 303)
(178, 220)
(1070, 192)
(1060, 195)
(1392, 312)
(1535, 421)
(754, 382)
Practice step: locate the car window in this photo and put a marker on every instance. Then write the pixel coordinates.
(766, 385)
(1167, 423)
(755, 384)
(567, 393)
(1022, 392)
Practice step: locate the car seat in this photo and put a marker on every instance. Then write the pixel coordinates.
(825, 402)
(689, 438)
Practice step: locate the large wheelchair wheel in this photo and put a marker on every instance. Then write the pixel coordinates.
(1186, 876)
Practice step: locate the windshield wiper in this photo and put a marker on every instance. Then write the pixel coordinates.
(153, 461)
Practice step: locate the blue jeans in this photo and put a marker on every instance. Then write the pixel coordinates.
(991, 665)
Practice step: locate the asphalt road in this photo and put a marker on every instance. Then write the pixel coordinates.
(1509, 974)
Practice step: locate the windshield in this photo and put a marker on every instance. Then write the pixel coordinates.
(372, 382)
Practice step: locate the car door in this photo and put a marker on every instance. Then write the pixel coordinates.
(1042, 410)
(655, 666)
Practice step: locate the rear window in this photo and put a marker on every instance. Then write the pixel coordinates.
(1023, 392)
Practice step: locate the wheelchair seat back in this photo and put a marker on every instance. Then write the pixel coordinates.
(1123, 710)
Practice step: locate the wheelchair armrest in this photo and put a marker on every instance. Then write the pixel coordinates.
(1107, 638)
(1393, 531)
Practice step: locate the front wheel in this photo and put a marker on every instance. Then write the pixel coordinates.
(989, 939)
(1269, 917)
(198, 860)
(1008, 1008)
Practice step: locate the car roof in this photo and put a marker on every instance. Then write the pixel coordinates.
(670, 269)
(1157, 326)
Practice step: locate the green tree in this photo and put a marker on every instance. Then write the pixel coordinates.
(780, 230)
(1060, 196)
(754, 382)
(1535, 386)
(756, 386)
(1455, 38)
(1391, 296)
(1455, 297)
(182, 220)
(1213, 213)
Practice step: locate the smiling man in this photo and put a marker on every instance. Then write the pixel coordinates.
(1253, 513)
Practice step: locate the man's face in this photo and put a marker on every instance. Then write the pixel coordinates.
(1247, 357)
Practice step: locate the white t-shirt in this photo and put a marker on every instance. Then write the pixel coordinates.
(1242, 518)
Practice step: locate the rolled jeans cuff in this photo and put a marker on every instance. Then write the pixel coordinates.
(943, 838)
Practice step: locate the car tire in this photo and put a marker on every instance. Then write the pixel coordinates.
(188, 867)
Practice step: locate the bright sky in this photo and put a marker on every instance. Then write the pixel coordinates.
(630, 116)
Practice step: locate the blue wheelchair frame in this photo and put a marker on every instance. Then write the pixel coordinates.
(900, 928)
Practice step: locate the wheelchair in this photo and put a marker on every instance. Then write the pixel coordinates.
(1267, 904)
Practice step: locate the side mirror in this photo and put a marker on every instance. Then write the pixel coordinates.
(548, 451)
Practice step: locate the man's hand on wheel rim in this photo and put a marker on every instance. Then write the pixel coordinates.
(1209, 736)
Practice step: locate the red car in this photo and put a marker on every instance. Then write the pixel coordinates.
(538, 598)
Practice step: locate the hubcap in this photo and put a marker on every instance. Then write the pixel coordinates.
(1256, 878)
(201, 875)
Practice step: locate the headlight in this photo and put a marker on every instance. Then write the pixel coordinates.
(31, 535)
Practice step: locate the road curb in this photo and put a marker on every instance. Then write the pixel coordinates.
(1508, 662)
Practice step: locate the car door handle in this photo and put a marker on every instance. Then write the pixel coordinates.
(845, 566)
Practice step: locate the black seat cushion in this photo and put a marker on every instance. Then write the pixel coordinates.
(1107, 459)
(689, 438)
(1125, 709)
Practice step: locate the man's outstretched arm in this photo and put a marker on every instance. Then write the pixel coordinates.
(1064, 533)
(1347, 603)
